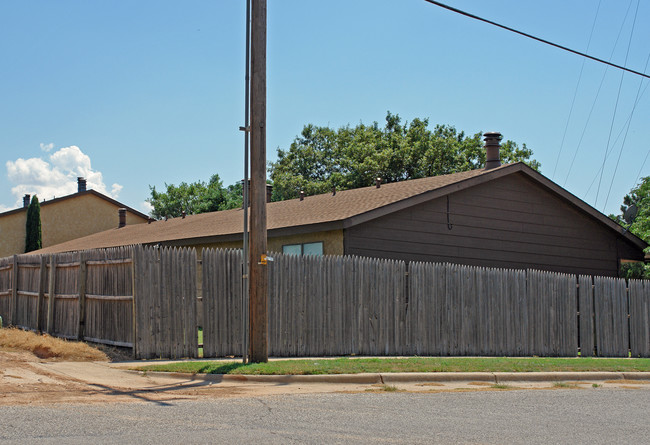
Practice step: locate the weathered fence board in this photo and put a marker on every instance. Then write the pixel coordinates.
(27, 289)
(222, 300)
(6, 274)
(552, 299)
(66, 299)
(639, 301)
(586, 307)
(108, 298)
(165, 302)
(611, 321)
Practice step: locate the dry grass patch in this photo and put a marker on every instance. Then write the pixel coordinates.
(565, 385)
(480, 383)
(384, 388)
(626, 381)
(47, 347)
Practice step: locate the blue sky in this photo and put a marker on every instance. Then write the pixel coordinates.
(138, 93)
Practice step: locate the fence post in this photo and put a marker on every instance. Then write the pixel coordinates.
(14, 292)
(51, 296)
(133, 301)
(81, 282)
(42, 283)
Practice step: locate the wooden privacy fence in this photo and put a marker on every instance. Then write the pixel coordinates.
(350, 305)
(83, 295)
(149, 299)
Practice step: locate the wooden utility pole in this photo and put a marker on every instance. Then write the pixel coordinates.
(259, 295)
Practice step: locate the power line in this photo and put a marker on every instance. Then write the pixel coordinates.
(638, 92)
(575, 93)
(618, 95)
(507, 28)
(641, 169)
(593, 105)
(620, 133)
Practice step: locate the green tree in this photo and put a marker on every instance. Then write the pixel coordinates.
(321, 158)
(33, 237)
(197, 197)
(635, 216)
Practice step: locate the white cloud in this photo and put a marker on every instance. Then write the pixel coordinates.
(56, 176)
(145, 207)
(47, 147)
(116, 189)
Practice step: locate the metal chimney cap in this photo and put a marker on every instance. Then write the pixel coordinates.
(492, 136)
(492, 147)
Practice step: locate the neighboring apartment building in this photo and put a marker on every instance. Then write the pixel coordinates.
(66, 218)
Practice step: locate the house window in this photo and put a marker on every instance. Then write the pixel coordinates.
(303, 249)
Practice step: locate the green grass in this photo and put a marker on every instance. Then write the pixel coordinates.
(200, 338)
(413, 364)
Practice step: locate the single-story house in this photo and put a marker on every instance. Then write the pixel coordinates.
(65, 218)
(507, 216)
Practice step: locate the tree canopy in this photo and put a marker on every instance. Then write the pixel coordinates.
(33, 237)
(197, 197)
(321, 157)
(635, 216)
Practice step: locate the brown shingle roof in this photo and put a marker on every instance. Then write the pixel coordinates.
(346, 208)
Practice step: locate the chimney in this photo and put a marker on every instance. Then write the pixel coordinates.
(378, 182)
(493, 159)
(122, 216)
(269, 192)
(302, 195)
(26, 201)
(81, 185)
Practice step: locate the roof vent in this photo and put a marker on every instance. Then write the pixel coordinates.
(302, 195)
(333, 191)
(183, 214)
(492, 146)
(122, 217)
(81, 185)
(26, 201)
(378, 182)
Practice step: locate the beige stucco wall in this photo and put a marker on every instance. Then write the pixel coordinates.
(62, 221)
(332, 242)
(12, 233)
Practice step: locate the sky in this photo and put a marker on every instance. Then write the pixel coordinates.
(133, 94)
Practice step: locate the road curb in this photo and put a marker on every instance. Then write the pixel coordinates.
(427, 377)
(411, 377)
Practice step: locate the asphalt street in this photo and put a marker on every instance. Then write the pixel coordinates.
(593, 416)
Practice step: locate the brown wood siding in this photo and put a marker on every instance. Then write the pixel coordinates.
(510, 222)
